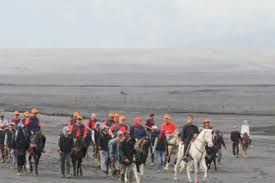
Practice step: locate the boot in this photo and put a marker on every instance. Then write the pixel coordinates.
(19, 170)
(68, 173)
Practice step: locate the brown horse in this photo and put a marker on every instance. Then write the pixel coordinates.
(35, 150)
(77, 156)
(245, 144)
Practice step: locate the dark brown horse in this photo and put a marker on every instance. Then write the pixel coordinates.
(77, 156)
(245, 144)
(35, 150)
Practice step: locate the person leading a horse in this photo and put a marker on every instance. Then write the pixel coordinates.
(189, 131)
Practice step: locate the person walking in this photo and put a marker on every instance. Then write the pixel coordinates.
(65, 145)
(126, 155)
(235, 139)
(20, 144)
(160, 148)
(103, 148)
(219, 143)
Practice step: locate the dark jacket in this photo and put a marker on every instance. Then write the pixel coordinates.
(235, 136)
(103, 141)
(10, 134)
(161, 144)
(65, 143)
(126, 151)
(153, 137)
(138, 132)
(20, 142)
(188, 132)
(34, 126)
(2, 137)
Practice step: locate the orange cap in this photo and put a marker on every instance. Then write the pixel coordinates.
(116, 114)
(167, 116)
(79, 117)
(76, 114)
(16, 113)
(35, 111)
(27, 114)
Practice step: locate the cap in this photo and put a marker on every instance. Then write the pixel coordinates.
(27, 114)
(35, 111)
(16, 113)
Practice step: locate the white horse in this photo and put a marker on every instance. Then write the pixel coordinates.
(197, 153)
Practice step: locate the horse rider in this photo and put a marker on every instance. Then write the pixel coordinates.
(126, 157)
(219, 143)
(153, 135)
(103, 148)
(90, 123)
(207, 124)
(35, 125)
(168, 126)
(121, 126)
(65, 145)
(235, 139)
(16, 118)
(113, 153)
(73, 120)
(246, 129)
(26, 118)
(150, 122)
(188, 133)
(111, 120)
(20, 144)
(78, 129)
(137, 131)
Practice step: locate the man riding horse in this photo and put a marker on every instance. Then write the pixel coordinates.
(188, 132)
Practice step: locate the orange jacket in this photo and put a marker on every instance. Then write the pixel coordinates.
(169, 128)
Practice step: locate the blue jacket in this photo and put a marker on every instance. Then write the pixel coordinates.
(138, 132)
(113, 148)
(34, 126)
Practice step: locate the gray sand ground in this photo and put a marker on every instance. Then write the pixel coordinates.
(258, 167)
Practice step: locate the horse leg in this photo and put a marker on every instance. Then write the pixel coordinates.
(215, 163)
(80, 167)
(196, 166)
(74, 166)
(167, 161)
(37, 158)
(203, 164)
(188, 170)
(30, 163)
(136, 173)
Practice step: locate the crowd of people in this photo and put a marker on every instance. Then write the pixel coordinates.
(113, 138)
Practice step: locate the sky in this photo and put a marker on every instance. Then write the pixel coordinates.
(137, 24)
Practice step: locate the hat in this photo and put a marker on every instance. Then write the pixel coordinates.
(27, 114)
(167, 116)
(16, 113)
(111, 115)
(151, 115)
(76, 114)
(116, 114)
(35, 111)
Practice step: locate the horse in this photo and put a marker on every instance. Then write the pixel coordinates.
(197, 152)
(77, 156)
(211, 157)
(245, 144)
(173, 143)
(35, 150)
(141, 153)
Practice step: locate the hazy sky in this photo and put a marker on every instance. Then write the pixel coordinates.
(137, 23)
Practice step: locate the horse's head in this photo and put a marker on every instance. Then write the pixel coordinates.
(36, 140)
(208, 137)
(78, 142)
